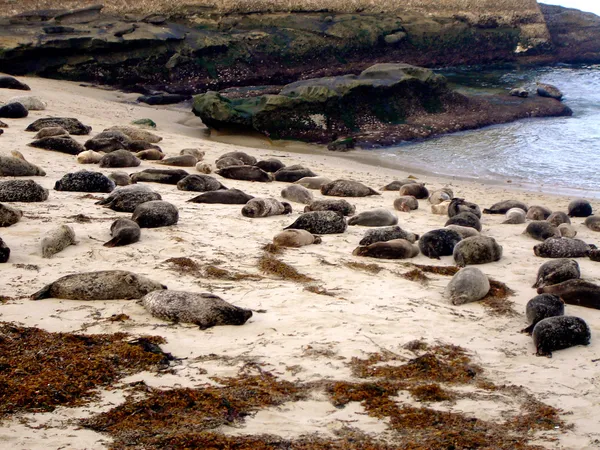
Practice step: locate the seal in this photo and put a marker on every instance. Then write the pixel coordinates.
(313, 182)
(136, 134)
(417, 190)
(558, 217)
(467, 285)
(150, 154)
(541, 307)
(228, 162)
(265, 207)
(120, 158)
(503, 207)
(515, 216)
(85, 181)
(384, 234)
(271, 165)
(63, 144)
(341, 206)
(224, 196)
(73, 126)
(26, 191)
(566, 230)
(320, 222)
(17, 166)
(123, 232)
(51, 131)
(107, 144)
(102, 285)
(562, 248)
(8, 82)
(557, 333)
(393, 249)
(199, 183)
(4, 251)
(57, 239)
(396, 185)
(593, 223)
(180, 161)
(575, 292)
(30, 102)
(406, 203)
(441, 242)
(464, 232)
(9, 215)
(140, 146)
(14, 110)
(298, 194)
(464, 219)
(379, 217)
(295, 238)
(195, 152)
(128, 198)
(347, 188)
(441, 195)
(557, 271)
(241, 156)
(204, 310)
(203, 167)
(477, 250)
(89, 157)
(164, 176)
(155, 214)
(441, 209)
(580, 208)
(291, 174)
(547, 90)
(541, 230)
(460, 205)
(595, 255)
(246, 173)
(538, 213)
(120, 178)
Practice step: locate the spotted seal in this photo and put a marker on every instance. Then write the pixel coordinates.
(557, 333)
(4, 251)
(397, 184)
(223, 163)
(120, 178)
(320, 222)
(347, 188)
(562, 248)
(150, 154)
(342, 206)
(467, 285)
(464, 219)
(155, 214)
(265, 207)
(123, 232)
(51, 131)
(22, 191)
(379, 217)
(477, 250)
(85, 181)
(382, 234)
(246, 159)
(73, 126)
(556, 271)
(136, 134)
(541, 307)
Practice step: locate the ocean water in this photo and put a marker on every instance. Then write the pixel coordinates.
(554, 153)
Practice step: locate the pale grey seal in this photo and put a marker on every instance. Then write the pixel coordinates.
(441, 195)
(547, 90)
(195, 152)
(150, 154)
(298, 194)
(51, 131)
(136, 134)
(557, 333)
(567, 230)
(228, 161)
(393, 249)
(265, 207)
(123, 232)
(155, 213)
(467, 285)
(57, 239)
(120, 178)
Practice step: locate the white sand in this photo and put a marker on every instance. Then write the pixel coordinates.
(367, 314)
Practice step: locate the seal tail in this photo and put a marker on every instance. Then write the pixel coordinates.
(42, 293)
(528, 330)
(114, 242)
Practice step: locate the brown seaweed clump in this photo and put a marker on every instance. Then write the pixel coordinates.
(274, 266)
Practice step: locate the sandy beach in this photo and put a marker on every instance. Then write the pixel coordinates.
(295, 334)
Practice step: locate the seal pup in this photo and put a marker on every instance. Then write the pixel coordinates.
(57, 239)
(4, 251)
(17, 166)
(557, 333)
(295, 238)
(541, 307)
(396, 185)
(464, 219)
(298, 194)
(123, 232)
(150, 154)
(195, 152)
(223, 163)
(51, 131)
(477, 250)
(538, 213)
(347, 188)
(320, 222)
(85, 181)
(562, 248)
(441, 242)
(515, 216)
(441, 195)
(558, 217)
(575, 292)
(203, 167)
(313, 182)
(25, 191)
(265, 207)
(127, 198)
(291, 174)
(556, 271)
(244, 157)
(541, 230)
(460, 205)
(180, 161)
(101, 285)
(164, 176)
(155, 214)
(73, 126)
(441, 209)
(342, 206)
(467, 285)
(120, 178)
(503, 207)
(406, 203)
(465, 232)
(225, 197)
(383, 234)
(379, 217)
(417, 190)
(9, 215)
(245, 173)
(120, 158)
(89, 157)
(271, 165)
(593, 223)
(393, 249)
(580, 208)
(199, 183)
(204, 310)
(62, 144)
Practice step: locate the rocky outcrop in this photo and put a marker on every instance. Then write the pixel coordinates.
(385, 104)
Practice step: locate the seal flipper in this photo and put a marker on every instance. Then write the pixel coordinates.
(529, 329)
(114, 242)
(42, 293)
